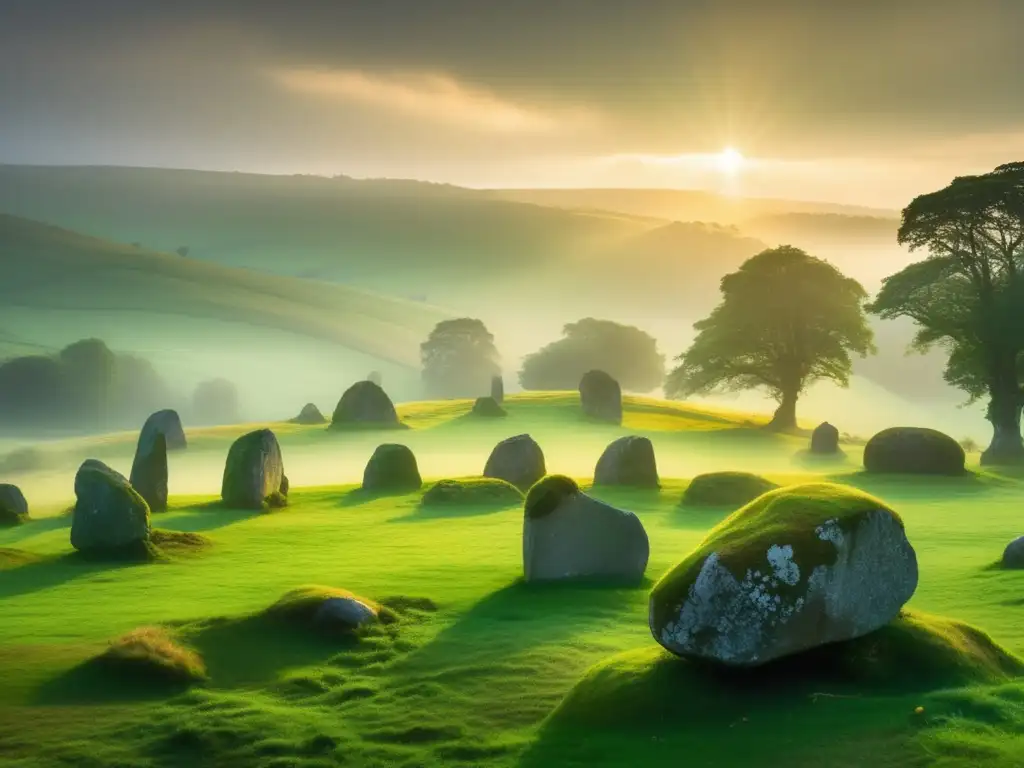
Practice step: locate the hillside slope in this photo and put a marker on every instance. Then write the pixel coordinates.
(56, 284)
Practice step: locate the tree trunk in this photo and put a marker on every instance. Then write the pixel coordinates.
(784, 419)
(1004, 412)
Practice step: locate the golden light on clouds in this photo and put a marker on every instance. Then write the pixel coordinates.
(435, 97)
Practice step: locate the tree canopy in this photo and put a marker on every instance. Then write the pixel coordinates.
(215, 401)
(786, 320)
(967, 295)
(459, 359)
(628, 354)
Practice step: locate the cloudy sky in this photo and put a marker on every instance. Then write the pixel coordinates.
(865, 102)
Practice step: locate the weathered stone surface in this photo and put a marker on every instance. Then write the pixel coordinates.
(1013, 555)
(800, 567)
(365, 403)
(345, 614)
(310, 414)
(567, 535)
(628, 461)
(13, 507)
(167, 423)
(498, 389)
(517, 460)
(914, 451)
(149, 471)
(254, 472)
(109, 514)
(601, 397)
(392, 467)
(488, 408)
(825, 439)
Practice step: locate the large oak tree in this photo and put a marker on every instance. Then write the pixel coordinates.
(967, 296)
(459, 359)
(786, 320)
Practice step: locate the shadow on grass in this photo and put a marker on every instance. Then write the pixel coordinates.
(34, 527)
(255, 649)
(52, 572)
(818, 461)
(520, 616)
(424, 512)
(202, 517)
(91, 683)
(916, 487)
(357, 496)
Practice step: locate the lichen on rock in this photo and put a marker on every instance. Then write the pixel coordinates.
(796, 568)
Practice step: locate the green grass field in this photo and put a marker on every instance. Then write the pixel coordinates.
(477, 663)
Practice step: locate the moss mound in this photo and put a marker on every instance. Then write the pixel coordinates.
(488, 407)
(177, 542)
(299, 606)
(790, 514)
(150, 654)
(476, 491)
(915, 653)
(547, 493)
(914, 451)
(725, 489)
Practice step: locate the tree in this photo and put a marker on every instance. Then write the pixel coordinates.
(967, 295)
(32, 391)
(628, 354)
(786, 320)
(459, 359)
(90, 369)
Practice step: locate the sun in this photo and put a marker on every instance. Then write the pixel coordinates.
(729, 160)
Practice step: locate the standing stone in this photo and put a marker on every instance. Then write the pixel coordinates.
(309, 414)
(825, 439)
(498, 389)
(601, 397)
(110, 516)
(167, 423)
(392, 467)
(797, 568)
(488, 408)
(13, 507)
(567, 534)
(365, 403)
(628, 461)
(517, 460)
(149, 470)
(914, 451)
(254, 472)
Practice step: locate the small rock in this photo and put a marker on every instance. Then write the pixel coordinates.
(109, 514)
(309, 414)
(488, 408)
(825, 439)
(392, 467)
(517, 460)
(601, 397)
(13, 507)
(345, 614)
(254, 472)
(568, 534)
(628, 461)
(1013, 555)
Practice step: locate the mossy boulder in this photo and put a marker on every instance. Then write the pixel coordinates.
(482, 491)
(913, 654)
(517, 460)
(365, 404)
(825, 440)
(628, 461)
(570, 535)
(601, 397)
(914, 451)
(254, 472)
(498, 389)
(1013, 555)
(392, 468)
(110, 518)
(149, 470)
(13, 507)
(488, 407)
(796, 568)
(328, 609)
(725, 489)
(167, 423)
(310, 414)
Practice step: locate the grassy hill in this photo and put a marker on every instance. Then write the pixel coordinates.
(477, 663)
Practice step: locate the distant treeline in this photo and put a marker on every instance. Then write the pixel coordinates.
(88, 387)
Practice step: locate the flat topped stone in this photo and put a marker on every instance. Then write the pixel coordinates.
(799, 567)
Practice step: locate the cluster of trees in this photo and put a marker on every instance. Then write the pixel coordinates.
(88, 387)
(787, 319)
